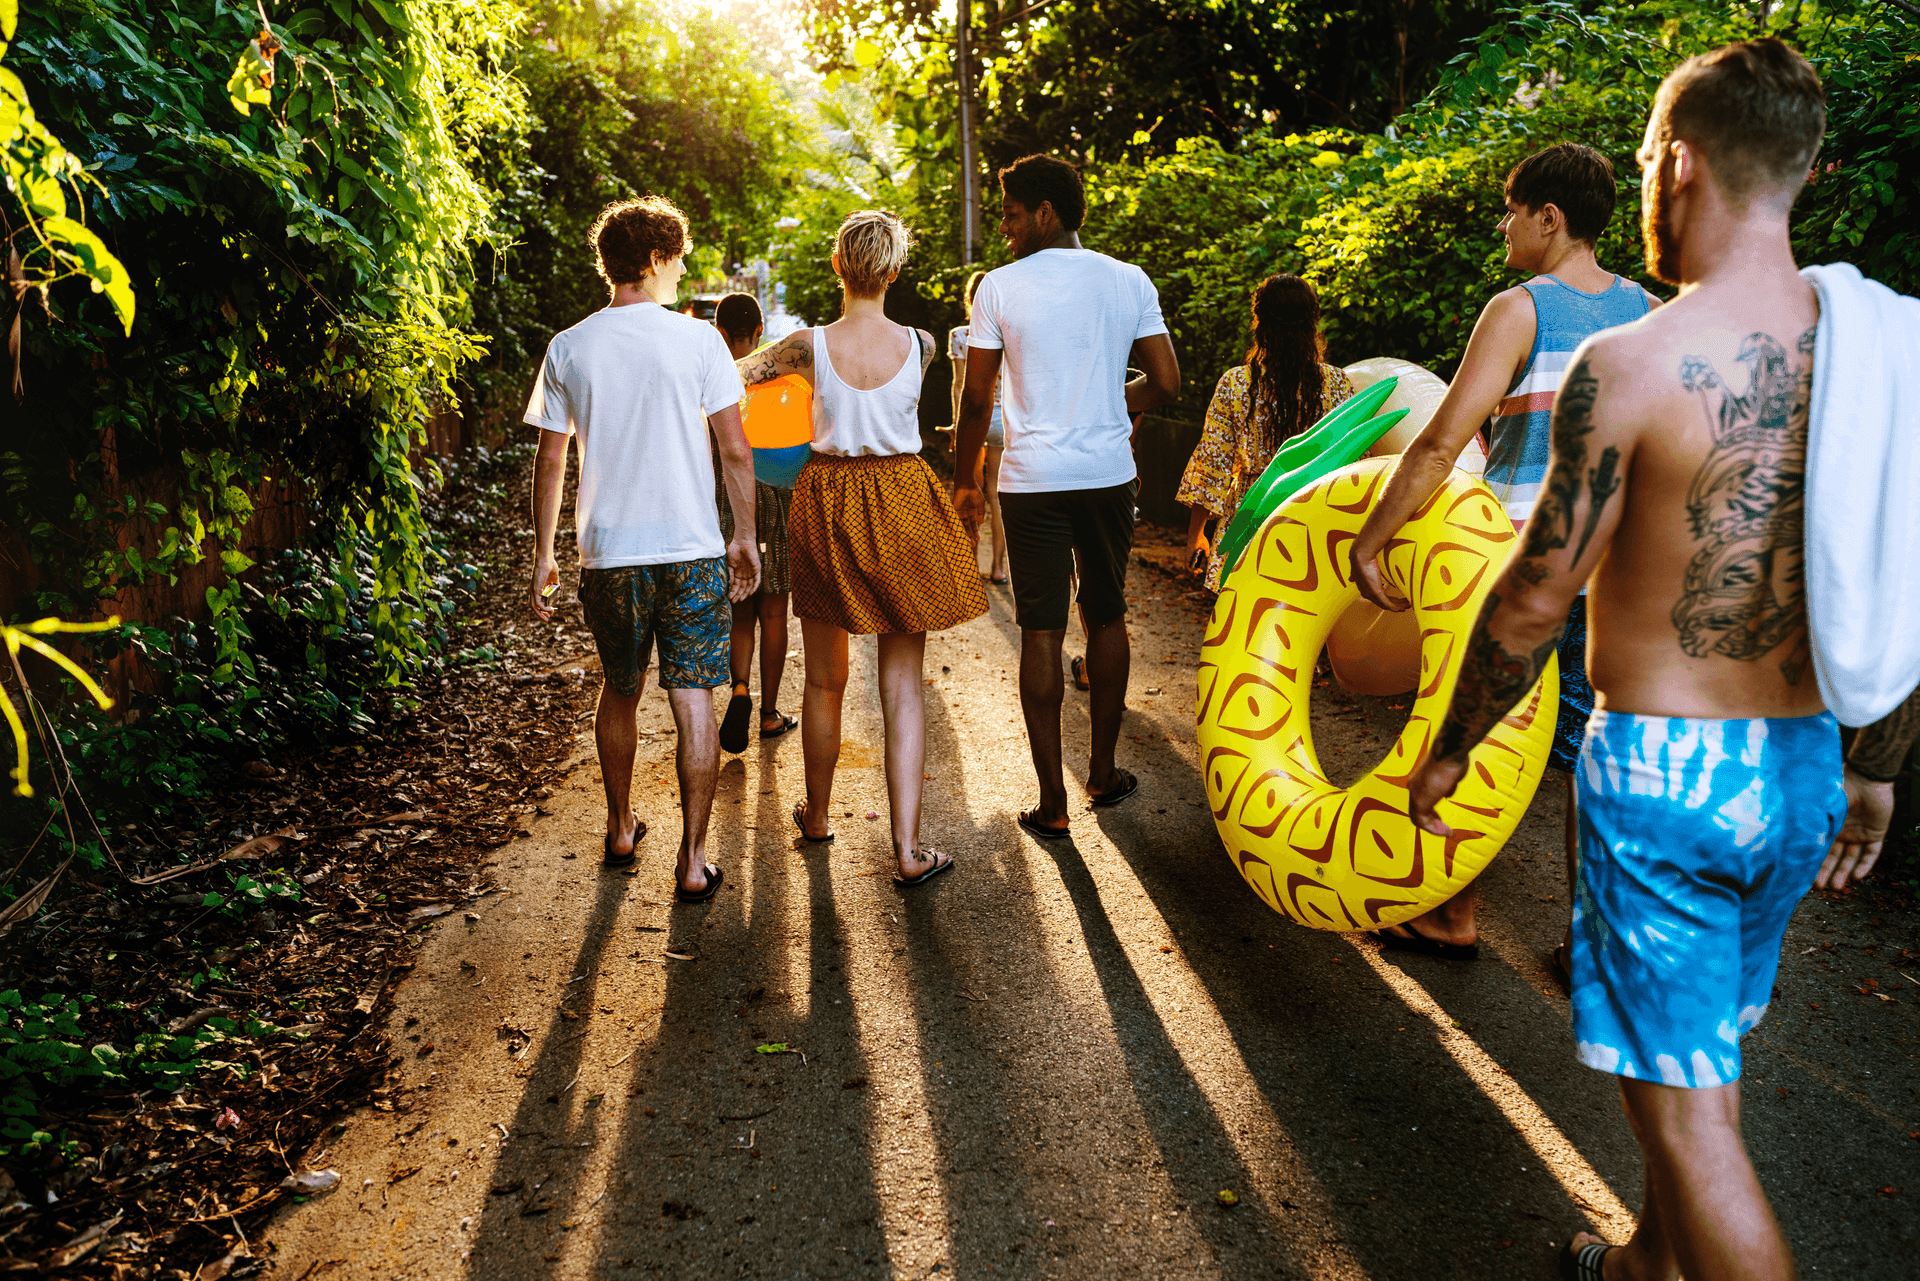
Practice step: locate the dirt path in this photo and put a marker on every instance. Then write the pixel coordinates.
(1049, 1063)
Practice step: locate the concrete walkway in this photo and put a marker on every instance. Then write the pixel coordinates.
(1049, 1062)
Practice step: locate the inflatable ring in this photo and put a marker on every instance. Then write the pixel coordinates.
(1351, 859)
(1374, 651)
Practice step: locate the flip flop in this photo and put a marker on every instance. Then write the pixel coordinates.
(941, 862)
(1080, 680)
(621, 860)
(714, 878)
(800, 821)
(1585, 1264)
(998, 582)
(786, 723)
(1560, 962)
(1420, 945)
(1120, 791)
(1027, 820)
(733, 730)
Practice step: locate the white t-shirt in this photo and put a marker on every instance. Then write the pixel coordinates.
(635, 384)
(1066, 318)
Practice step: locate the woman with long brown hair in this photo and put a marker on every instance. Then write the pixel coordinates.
(1283, 389)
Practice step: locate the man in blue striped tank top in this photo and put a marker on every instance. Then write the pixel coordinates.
(1558, 201)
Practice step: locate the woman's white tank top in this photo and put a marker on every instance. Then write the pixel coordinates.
(850, 422)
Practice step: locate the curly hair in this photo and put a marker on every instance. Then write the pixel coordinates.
(872, 245)
(1036, 180)
(1284, 378)
(628, 233)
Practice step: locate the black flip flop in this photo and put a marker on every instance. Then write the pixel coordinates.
(733, 730)
(621, 860)
(714, 877)
(1560, 962)
(1120, 791)
(787, 723)
(1026, 819)
(800, 821)
(1420, 945)
(1080, 680)
(941, 862)
(1585, 1264)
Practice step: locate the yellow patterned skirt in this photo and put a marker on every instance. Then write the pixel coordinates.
(877, 547)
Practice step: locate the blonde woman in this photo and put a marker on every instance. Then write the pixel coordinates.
(996, 434)
(875, 545)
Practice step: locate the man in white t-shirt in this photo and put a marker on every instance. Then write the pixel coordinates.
(1062, 323)
(639, 386)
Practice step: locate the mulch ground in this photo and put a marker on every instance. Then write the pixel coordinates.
(385, 834)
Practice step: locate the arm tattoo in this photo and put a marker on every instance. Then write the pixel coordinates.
(1744, 594)
(790, 355)
(1492, 680)
(1880, 748)
(1551, 525)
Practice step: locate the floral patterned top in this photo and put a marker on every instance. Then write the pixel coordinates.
(1227, 461)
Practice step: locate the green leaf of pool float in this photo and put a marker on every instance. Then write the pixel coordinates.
(1259, 501)
(1349, 448)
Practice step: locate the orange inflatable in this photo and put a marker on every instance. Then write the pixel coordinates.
(779, 414)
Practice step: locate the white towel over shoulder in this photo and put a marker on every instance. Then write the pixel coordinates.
(1863, 495)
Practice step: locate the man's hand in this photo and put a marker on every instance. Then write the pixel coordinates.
(970, 501)
(1857, 848)
(743, 570)
(1432, 783)
(1367, 577)
(546, 585)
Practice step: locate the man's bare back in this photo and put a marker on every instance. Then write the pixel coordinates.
(1698, 607)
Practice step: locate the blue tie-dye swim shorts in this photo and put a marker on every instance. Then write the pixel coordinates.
(1697, 839)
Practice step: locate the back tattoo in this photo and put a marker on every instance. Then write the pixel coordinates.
(1745, 588)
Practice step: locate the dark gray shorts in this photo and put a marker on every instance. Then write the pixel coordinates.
(1044, 531)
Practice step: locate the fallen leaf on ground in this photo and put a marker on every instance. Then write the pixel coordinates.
(310, 1181)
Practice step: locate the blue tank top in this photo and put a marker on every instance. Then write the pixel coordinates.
(1521, 435)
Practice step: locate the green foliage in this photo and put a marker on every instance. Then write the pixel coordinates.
(42, 176)
(45, 1044)
(300, 271)
(1865, 200)
(1098, 80)
(251, 893)
(628, 99)
(1398, 229)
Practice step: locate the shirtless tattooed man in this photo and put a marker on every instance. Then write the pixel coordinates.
(1710, 783)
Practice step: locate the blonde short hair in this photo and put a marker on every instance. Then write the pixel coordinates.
(872, 245)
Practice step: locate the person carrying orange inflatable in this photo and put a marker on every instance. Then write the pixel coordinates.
(1558, 202)
(739, 321)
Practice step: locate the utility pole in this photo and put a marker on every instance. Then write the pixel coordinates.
(969, 164)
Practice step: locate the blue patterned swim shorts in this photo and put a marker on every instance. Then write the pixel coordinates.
(1697, 840)
(683, 605)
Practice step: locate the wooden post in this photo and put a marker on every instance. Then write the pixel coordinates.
(969, 163)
